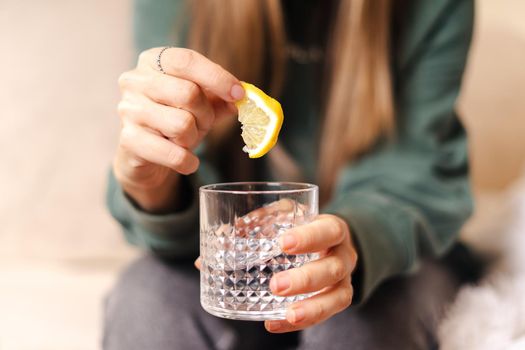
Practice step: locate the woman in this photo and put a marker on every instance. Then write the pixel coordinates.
(368, 89)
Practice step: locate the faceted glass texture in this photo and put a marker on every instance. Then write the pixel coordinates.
(240, 226)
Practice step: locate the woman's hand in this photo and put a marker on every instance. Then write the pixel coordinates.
(164, 117)
(330, 275)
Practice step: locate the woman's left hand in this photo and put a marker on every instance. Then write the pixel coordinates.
(330, 275)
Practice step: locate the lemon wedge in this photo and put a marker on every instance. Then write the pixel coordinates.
(261, 117)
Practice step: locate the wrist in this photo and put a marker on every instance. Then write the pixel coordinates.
(158, 199)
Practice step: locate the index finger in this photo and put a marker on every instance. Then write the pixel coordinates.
(324, 232)
(191, 65)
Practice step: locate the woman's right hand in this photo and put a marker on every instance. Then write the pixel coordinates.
(164, 117)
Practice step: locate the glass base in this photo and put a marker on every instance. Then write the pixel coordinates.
(246, 315)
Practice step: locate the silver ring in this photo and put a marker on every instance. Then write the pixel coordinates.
(159, 65)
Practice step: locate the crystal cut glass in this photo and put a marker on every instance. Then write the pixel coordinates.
(240, 224)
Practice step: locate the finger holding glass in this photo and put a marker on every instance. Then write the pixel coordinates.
(329, 276)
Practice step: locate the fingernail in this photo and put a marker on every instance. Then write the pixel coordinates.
(274, 325)
(288, 242)
(237, 92)
(280, 282)
(295, 315)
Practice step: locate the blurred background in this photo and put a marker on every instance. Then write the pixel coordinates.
(59, 62)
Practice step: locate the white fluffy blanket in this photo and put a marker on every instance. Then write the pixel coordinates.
(491, 315)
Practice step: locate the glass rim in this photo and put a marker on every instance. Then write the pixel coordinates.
(300, 187)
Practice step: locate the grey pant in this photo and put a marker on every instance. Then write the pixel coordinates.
(155, 306)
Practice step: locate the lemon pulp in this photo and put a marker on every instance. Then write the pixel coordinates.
(261, 117)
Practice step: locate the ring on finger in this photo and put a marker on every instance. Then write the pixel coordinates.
(159, 57)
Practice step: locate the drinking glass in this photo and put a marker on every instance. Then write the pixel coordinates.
(240, 224)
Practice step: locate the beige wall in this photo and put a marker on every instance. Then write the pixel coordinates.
(59, 250)
(59, 62)
(493, 99)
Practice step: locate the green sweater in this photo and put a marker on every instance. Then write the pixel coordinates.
(404, 200)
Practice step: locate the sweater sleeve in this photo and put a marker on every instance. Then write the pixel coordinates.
(409, 198)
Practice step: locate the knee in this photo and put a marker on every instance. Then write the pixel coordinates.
(151, 283)
(150, 295)
(402, 314)
(148, 300)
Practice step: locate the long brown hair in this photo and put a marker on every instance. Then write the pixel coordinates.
(359, 103)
